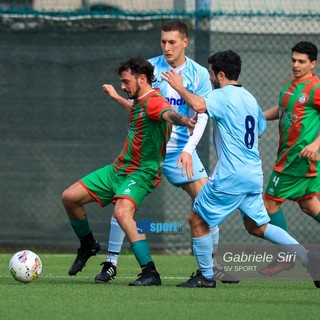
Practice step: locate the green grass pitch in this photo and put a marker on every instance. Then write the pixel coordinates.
(55, 295)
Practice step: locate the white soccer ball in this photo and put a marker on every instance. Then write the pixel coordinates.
(25, 266)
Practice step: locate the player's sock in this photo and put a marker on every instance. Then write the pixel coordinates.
(215, 240)
(317, 217)
(112, 257)
(279, 236)
(80, 227)
(141, 251)
(202, 249)
(278, 219)
(116, 237)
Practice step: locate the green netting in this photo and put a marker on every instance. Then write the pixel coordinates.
(165, 8)
(56, 125)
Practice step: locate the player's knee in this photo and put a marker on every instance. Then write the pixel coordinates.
(272, 206)
(306, 209)
(254, 230)
(66, 198)
(121, 216)
(118, 215)
(310, 206)
(194, 220)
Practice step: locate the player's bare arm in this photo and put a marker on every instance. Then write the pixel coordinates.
(114, 95)
(176, 82)
(179, 119)
(272, 113)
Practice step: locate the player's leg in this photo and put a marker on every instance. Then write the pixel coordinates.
(300, 189)
(279, 236)
(193, 187)
(74, 198)
(276, 219)
(109, 266)
(116, 234)
(124, 211)
(210, 208)
(202, 250)
(200, 238)
(281, 187)
(311, 207)
(96, 186)
(256, 221)
(220, 274)
(309, 203)
(275, 213)
(276, 194)
(275, 235)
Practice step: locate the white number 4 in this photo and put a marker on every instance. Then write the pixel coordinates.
(276, 180)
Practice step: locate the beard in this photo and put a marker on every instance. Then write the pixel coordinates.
(216, 84)
(135, 94)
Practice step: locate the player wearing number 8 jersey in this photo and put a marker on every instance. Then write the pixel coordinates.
(236, 182)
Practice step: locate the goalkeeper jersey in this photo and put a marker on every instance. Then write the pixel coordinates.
(145, 146)
(299, 125)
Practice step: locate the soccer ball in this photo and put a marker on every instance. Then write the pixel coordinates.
(25, 266)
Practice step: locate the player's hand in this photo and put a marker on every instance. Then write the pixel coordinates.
(192, 122)
(309, 150)
(174, 79)
(110, 91)
(185, 160)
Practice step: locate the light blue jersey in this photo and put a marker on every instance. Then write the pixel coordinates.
(238, 123)
(196, 79)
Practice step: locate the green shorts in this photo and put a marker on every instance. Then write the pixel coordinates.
(106, 185)
(282, 187)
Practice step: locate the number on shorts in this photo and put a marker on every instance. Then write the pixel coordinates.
(275, 180)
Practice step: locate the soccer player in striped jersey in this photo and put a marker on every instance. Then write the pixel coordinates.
(134, 174)
(237, 180)
(296, 173)
(182, 166)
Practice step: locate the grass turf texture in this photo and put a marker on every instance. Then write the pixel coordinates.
(55, 295)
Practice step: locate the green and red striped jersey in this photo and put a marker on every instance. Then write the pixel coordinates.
(299, 125)
(145, 146)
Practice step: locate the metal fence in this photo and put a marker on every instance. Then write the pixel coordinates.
(56, 125)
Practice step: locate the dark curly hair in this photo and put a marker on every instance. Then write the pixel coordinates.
(138, 66)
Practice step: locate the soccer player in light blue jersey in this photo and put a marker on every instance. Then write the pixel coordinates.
(182, 166)
(237, 180)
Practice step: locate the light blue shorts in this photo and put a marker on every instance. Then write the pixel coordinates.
(214, 206)
(174, 175)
